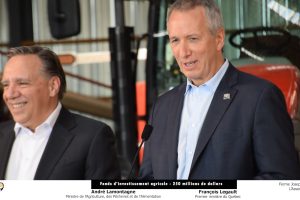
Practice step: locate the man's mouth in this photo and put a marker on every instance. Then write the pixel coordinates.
(17, 105)
(188, 64)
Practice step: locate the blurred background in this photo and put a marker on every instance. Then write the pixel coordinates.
(117, 59)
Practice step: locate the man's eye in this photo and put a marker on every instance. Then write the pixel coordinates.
(174, 41)
(22, 83)
(4, 85)
(193, 39)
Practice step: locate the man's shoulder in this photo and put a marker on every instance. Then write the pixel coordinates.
(86, 120)
(7, 124)
(174, 92)
(248, 79)
(255, 81)
(6, 127)
(250, 84)
(72, 120)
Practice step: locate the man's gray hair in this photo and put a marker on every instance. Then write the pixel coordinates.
(212, 11)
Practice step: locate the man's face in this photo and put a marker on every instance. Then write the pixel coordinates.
(28, 93)
(198, 52)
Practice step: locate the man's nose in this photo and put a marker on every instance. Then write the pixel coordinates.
(184, 50)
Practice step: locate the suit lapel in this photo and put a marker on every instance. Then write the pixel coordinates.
(7, 137)
(222, 99)
(59, 140)
(173, 125)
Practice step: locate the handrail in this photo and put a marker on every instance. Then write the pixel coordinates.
(65, 41)
(76, 76)
(88, 80)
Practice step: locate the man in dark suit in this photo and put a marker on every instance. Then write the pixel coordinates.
(221, 123)
(45, 140)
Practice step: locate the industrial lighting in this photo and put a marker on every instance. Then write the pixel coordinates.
(284, 12)
(72, 58)
(160, 34)
(252, 55)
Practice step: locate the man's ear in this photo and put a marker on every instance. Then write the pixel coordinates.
(54, 85)
(220, 38)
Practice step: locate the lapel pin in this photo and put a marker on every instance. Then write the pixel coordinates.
(226, 96)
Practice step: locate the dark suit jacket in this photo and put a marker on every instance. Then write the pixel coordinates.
(78, 148)
(249, 136)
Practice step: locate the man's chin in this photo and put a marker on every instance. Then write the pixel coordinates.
(18, 120)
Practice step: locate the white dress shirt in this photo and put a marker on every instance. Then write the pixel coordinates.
(197, 100)
(28, 148)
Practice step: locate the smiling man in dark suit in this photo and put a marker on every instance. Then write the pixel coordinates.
(221, 123)
(44, 140)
